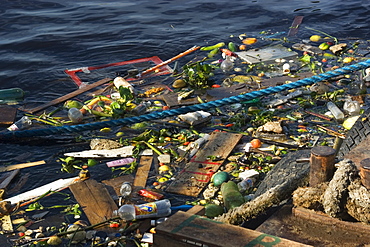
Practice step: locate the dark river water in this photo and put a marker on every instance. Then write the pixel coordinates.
(40, 39)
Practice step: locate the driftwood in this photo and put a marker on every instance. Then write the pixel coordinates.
(260, 204)
(335, 196)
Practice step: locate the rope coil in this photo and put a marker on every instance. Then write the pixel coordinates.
(186, 109)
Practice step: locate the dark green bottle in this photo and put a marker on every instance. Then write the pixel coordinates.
(11, 94)
(231, 196)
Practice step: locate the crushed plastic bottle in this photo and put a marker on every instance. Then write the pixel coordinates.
(22, 123)
(227, 65)
(75, 115)
(246, 184)
(141, 108)
(352, 107)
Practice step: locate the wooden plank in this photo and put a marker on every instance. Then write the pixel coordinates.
(9, 179)
(198, 172)
(325, 220)
(4, 184)
(293, 30)
(68, 96)
(19, 166)
(143, 171)
(7, 115)
(197, 209)
(194, 230)
(94, 199)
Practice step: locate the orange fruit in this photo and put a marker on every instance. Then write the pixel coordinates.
(256, 143)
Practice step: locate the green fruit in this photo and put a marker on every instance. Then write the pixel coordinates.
(73, 104)
(209, 48)
(212, 53)
(232, 47)
(139, 125)
(91, 162)
(213, 210)
(220, 177)
(324, 46)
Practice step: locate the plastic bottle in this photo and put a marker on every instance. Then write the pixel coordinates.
(141, 108)
(227, 64)
(246, 184)
(121, 82)
(125, 191)
(22, 123)
(75, 115)
(337, 113)
(197, 144)
(357, 88)
(156, 209)
(231, 195)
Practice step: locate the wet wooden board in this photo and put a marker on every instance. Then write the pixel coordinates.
(94, 199)
(143, 171)
(184, 229)
(7, 115)
(293, 30)
(315, 228)
(68, 96)
(323, 219)
(360, 152)
(198, 172)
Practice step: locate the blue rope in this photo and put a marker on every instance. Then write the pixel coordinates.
(186, 109)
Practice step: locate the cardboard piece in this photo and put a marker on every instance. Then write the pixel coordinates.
(267, 54)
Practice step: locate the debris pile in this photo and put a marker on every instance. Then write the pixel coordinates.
(217, 157)
(344, 197)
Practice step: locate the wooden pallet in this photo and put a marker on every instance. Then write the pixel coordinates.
(198, 172)
(184, 230)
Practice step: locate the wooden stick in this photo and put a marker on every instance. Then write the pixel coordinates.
(23, 165)
(68, 96)
(332, 131)
(319, 115)
(7, 181)
(194, 48)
